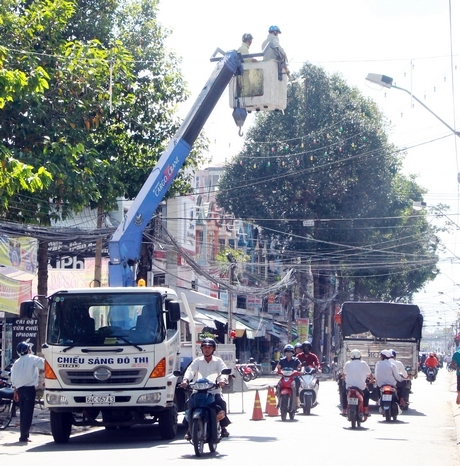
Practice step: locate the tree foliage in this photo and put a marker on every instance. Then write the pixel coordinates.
(324, 178)
(91, 100)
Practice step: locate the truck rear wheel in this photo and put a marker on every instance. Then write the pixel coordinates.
(61, 426)
(168, 423)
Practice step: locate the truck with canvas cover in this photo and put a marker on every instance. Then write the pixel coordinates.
(371, 327)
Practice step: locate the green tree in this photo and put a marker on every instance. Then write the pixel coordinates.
(324, 178)
(101, 111)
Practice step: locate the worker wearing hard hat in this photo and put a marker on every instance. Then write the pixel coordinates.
(244, 47)
(274, 51)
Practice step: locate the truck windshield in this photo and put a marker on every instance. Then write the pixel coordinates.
(101, 319)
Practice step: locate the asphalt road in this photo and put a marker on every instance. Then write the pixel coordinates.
(427, 434)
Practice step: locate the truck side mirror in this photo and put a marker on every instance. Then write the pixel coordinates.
(174, 311)
(26, 309)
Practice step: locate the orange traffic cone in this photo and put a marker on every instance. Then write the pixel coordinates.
(267, 404)
(257, 414)
(272, 409)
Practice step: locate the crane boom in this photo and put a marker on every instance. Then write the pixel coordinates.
(125, 244)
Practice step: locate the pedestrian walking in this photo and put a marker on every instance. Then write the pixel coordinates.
(456, 363)
(24, 378)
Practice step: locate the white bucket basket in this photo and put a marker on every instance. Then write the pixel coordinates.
(258, 88)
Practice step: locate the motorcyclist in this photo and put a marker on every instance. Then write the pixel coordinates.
(432, 362)
(386, 372)
(292, 362)
(403, 391)
(207, 365)
(298, 350)
(308, 358)
(356, 373)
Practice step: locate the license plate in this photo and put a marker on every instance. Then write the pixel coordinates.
(387, 397)
(100, 399)
(352, 401)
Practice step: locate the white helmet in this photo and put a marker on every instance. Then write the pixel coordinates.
(388, 354)
(355, 354)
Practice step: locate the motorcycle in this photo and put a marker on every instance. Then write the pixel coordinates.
(374, 393)
(389, 405)
(286, 393)
(7, 404)
(430, 374)
(309, 387)
(355, 406)
(202, 416)
(325, 367)
(245, 371)
(256, 368)
(406, 389)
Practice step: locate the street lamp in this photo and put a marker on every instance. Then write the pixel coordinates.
(387, 82)
(417, 205)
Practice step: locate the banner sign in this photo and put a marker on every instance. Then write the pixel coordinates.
(20, 253)
(25, 330)
(12, 293)
(302, 329)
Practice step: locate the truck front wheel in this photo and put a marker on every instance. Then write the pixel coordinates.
(168, 423)
(61, 426)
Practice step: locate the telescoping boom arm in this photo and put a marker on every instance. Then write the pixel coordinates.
(125, 244)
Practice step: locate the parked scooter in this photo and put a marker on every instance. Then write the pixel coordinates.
(430, 374)
(256, 368)
(389, 403)
(325, 367)
(355, 406)
(7, 404)
(246, 371)
(286, 393)
(309, 387)
(201, 414)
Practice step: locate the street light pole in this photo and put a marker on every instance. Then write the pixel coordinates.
(387, 82)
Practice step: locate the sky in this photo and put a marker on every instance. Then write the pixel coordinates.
(409, 40)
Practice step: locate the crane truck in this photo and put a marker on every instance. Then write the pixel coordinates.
(111, 352)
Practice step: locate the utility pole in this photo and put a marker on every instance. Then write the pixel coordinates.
(290, 308)
(232, 261)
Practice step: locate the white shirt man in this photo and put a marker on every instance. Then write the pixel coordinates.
(356, 372)
(400, 366)
(207, 366)
(386, 372)
(200, 368)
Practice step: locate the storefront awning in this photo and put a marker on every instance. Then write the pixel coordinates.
(205, 320)
(198, 325)
(193, 297)
(213, 315)
(257, 325)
